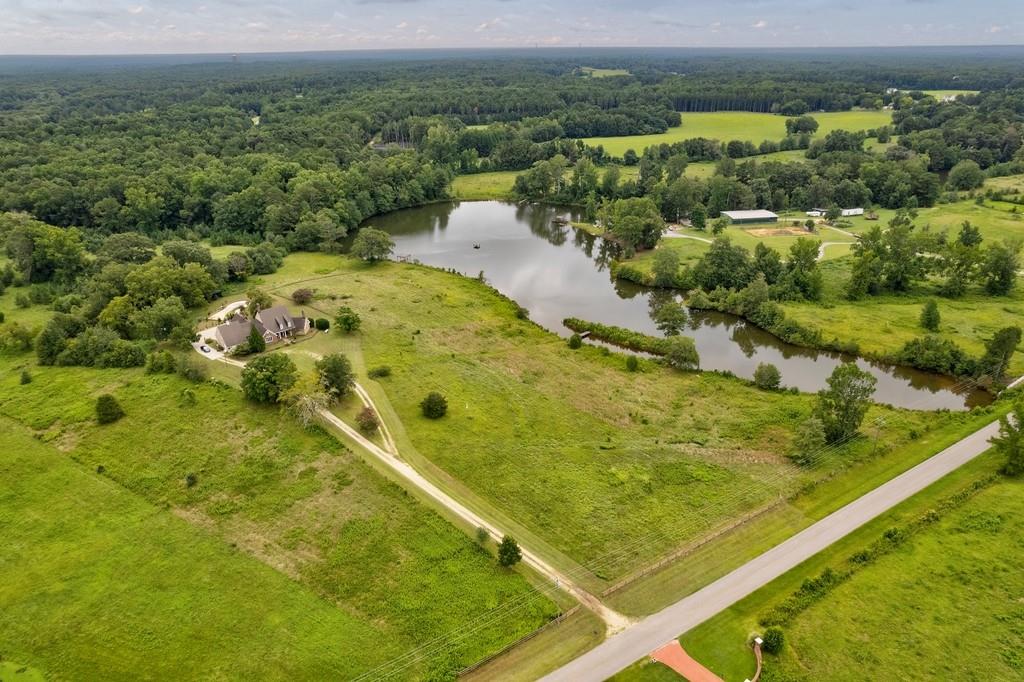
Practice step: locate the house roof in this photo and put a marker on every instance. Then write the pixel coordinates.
(235, 331)
(276, 319)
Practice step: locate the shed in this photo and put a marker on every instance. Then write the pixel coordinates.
(755, 216)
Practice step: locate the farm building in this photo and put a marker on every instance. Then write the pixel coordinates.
(756, 216)
(845, 213)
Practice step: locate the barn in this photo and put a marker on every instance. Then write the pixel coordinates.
(756, 216)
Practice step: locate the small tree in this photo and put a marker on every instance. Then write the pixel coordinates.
(575, 341)
(372, 245)
(367, 420)
(322, 324)
(258, 300)
(930, 317)
(632, 363)
(347, 319)
(809, 224)
(666, 267)
(698, 217)
(26, 378)
(255, 343)
(833, 213)
(998, 351)
(335, 374)
(1010, 440)
(767, 377)
(842, 406)
(721, 222)
(773, 641)
(302, 296)
(434, 406)
(809, 441)
(509, 553)
(108, 410)
(268, 377)
(681, 353)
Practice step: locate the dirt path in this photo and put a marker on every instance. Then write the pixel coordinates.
(388, 455)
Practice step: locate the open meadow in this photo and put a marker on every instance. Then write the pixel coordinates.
(740, 125)
(212, 492)
(575, 452)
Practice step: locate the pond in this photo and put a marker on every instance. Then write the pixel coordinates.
(556, 271)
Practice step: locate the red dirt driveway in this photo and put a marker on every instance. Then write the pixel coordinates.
(673, 655)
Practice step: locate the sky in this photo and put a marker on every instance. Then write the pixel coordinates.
(179, 26)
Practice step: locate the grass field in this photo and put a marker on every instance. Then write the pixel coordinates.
(498, 184)
(951, 588)
(740, 125)
(362, 570)
(940, 94)
(603, 73)
(882, 324)
(567, 446)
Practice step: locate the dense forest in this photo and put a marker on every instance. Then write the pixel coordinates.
(99, 167)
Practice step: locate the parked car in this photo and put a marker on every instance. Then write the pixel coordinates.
(204, 348)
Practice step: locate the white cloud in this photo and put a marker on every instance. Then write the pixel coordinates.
(487, 25)
(760, 23)
(403, 24)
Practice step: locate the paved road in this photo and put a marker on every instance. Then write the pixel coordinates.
(635, 642)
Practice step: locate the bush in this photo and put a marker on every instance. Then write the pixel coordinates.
(21, 300)
(434, 406)
(26, 378)
(632, 363)
(335, 374)
(322, 324)
(767, 377)
(482, 535)
(575, 341)
(1, 314)
(108, 410)
(190, 480)
(679, 352)
(773, 641)
(379, 372)
(302, 296)
(161, 362)
(192, 368)
(936, 354)
(367, 420)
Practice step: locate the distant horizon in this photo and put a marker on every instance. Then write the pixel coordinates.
(520, 48)
(171, 27)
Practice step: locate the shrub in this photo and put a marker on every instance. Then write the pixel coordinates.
(190, 480)
(632, 363)
(575, 341)
(1, 314)
(367, 420)
(678, 351)
(322, 324)
(509, 553)
(936, 354)
(302, 296)
(482, 535)
(108, 410)
(161, 362)
(192, 368)
(773, 641)
(767, 377)
(379, 372)
(21, 300)
(434, 406)
(26, 378)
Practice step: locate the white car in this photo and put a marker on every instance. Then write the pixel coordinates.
(204, 348)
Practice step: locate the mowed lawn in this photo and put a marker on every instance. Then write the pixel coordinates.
(498, 184)
(943, 605)
(285, 541)
(584, 456)
(740, 125)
